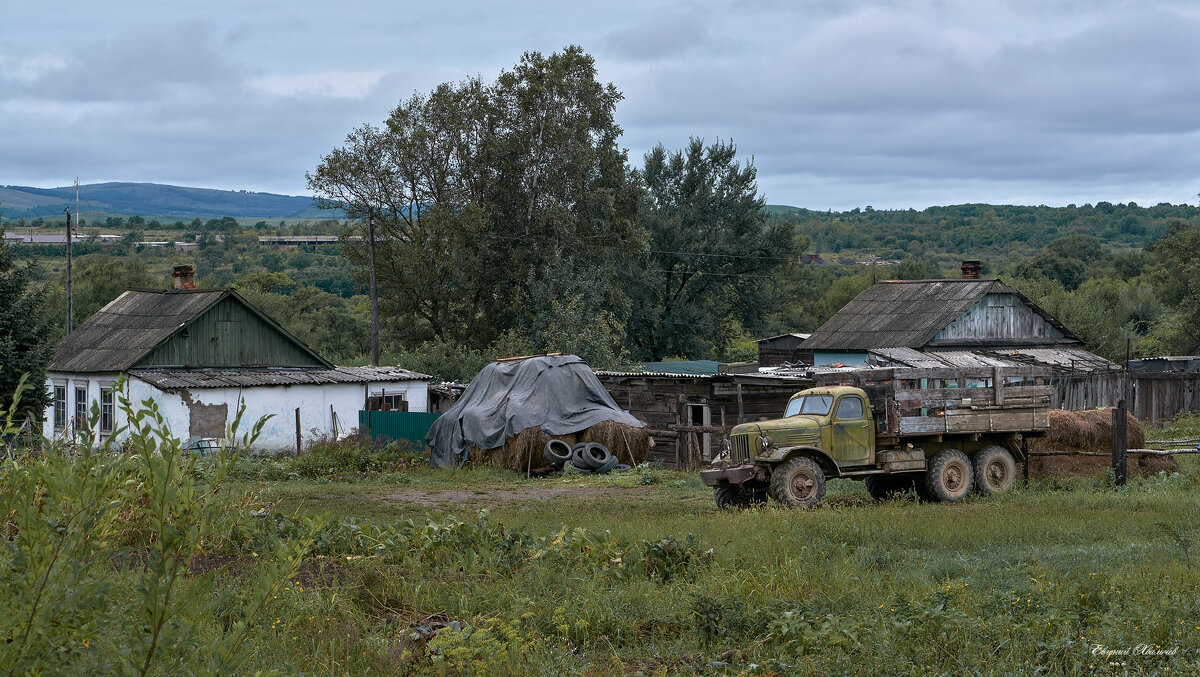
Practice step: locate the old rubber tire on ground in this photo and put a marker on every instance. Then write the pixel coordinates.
(950, 476)
(995, 470)
(597, 455)
(883, 487)
(558, 452)
(798, 483)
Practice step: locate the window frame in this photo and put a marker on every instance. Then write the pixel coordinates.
(60, 405)
(107, 408)
(81, 407)
(862, 409)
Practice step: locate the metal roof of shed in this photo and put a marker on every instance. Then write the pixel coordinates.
(908, 314)
(249, 378)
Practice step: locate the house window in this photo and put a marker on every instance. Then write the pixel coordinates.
(60, 406)
(387, 402)
(106, 410)
(81, 408)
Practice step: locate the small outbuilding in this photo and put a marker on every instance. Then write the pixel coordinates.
(202, 354)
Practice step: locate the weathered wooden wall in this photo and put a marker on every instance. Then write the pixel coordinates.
(661, 401)
(999, 316)
(1150, 397)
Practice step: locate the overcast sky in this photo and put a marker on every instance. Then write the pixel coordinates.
(842, 104)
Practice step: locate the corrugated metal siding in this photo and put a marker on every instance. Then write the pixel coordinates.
(229, 335)
(396, 425)
(999, 316)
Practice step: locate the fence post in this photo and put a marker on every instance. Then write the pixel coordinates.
(298, 447)
(1119, 442)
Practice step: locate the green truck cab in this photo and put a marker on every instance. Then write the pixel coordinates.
(941, 433)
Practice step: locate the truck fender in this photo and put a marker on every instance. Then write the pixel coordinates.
(783, 454)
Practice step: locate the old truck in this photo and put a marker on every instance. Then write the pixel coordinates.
(942, 432)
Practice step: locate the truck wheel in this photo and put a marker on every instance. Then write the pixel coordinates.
(729, 496)
(950, 477)
(995, 470)
(798, 483)
(739, 496)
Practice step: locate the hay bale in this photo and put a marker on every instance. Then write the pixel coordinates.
(630, 445)
(1091, 431)
(526, 449)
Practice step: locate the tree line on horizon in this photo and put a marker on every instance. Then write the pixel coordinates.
(510, 222)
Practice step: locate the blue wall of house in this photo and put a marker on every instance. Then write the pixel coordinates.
(824, 358)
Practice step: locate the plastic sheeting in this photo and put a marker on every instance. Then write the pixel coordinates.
(560, 394)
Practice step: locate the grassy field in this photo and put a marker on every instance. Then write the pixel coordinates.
(413, 570)
(482, 571)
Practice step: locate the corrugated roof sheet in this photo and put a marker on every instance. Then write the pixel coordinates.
(248, 378)
(125, 330)
(675, 368)
(1062, 358)
(906, 314)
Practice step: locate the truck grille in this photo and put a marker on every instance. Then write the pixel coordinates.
(739, 448)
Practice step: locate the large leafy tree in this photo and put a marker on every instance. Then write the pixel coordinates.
(485, 195)
(26, 336)
(714, 253)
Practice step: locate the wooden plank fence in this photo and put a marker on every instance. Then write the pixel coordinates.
(1152, 396)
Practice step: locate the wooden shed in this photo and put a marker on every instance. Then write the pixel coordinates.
(689, 415)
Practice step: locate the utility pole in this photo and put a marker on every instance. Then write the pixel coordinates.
(70, 304)
(374, 295)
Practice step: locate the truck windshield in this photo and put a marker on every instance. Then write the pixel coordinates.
(817, 405)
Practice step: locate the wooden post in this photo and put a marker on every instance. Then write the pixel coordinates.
(998, 385)
(1119, 442)
(678, 422)
(741, 410)
(333, 421)
(298, 445)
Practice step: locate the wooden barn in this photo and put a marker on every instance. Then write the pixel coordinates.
(778, 351)
(689, 414)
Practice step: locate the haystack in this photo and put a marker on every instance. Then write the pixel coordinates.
(513, 407)
(1091, 431)
(526, 450)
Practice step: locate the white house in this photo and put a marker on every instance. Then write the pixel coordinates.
(200, 354)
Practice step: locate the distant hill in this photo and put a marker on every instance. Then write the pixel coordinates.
(154, 200)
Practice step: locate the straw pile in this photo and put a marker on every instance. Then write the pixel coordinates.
(1091, 431)
(630, 445)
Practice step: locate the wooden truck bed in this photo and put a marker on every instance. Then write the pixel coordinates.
(923, 402)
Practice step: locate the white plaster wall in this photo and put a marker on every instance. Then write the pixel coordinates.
(317, 404)
(93, 383)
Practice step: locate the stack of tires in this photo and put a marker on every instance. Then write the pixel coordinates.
(590, 457)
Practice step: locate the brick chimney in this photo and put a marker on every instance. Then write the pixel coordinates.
(184, 277)
(971, 270)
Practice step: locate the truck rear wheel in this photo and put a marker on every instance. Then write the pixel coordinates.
(950, 477)
(798, 483)
(995, 470)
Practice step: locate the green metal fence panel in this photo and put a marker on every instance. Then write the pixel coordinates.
(386, 426)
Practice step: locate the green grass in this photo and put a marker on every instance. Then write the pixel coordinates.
(1025, 583)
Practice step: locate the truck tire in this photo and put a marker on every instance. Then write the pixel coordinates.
(798, 483)
(950, 477)
(995, 470)
(729, 497)
(883, 487)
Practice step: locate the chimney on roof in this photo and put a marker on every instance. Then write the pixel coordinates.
(971, 270)
(184, 277)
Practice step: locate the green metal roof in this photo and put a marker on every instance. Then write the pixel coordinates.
(682, 367)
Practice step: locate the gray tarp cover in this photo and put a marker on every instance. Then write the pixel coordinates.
(559, 393)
